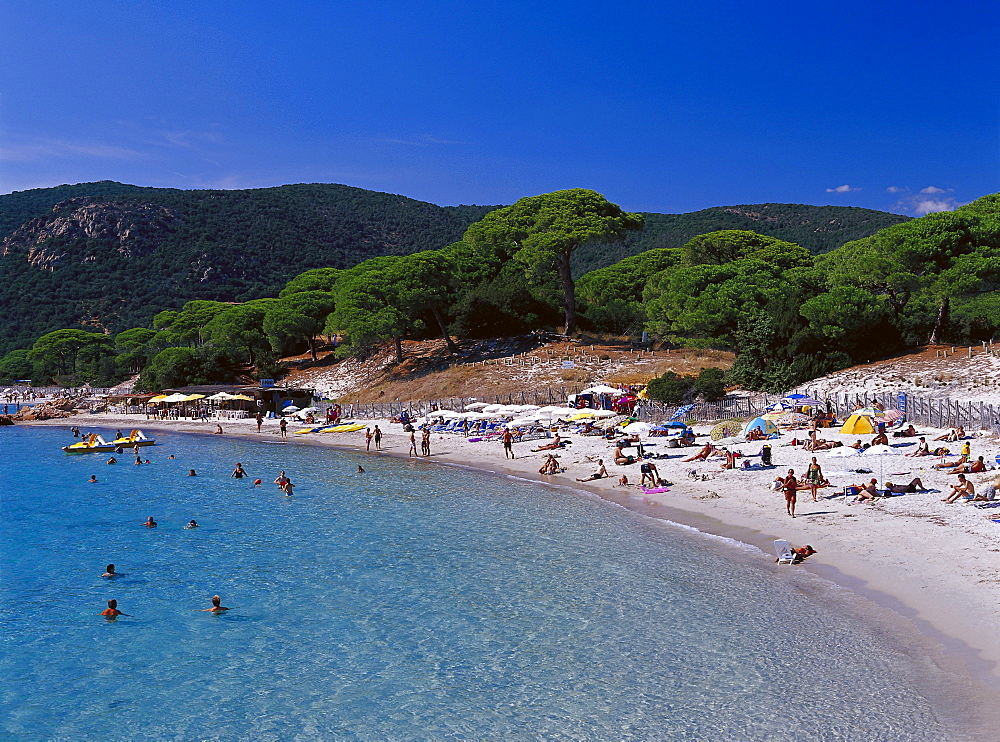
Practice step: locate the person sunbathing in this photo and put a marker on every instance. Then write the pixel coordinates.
(908, 432)
(976, 467)
(557, 442)
(601, 473)
(960, 433)
(857, 445)
(756, 434)
(989, 492)
(964, 488)
(824, 445)
(703, 454)
(551, 465)
(915, 485)
(620, 457)
(922, 448)
(947, 464)
(730, 462)
(866, 491)
(801, 554)
(881, 439)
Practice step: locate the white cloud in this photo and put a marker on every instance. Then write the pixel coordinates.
(50, 149)
(932, 191)
(843, 189)
(933, 205)
(894, 189)
(421, 141)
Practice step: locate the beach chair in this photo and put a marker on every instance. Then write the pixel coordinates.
(784, 551)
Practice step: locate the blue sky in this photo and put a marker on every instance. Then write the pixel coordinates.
(660, 106)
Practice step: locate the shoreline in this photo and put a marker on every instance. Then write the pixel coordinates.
(936, 595)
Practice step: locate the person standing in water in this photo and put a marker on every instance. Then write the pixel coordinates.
(425, 442)
(368, 439)
(413, 444)
(377, 437)
(238, 472)
(217, 606)
(112, 612)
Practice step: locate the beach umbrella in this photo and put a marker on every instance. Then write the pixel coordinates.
(241, 397)
(581, 415)
(801, 400)
(492, 407)
(476, 405)
(881, 451)
(289, 408)
(779, 408)
(605, 413)
(892, 416)
(637, 428)
(681, 411)
(726, 429)
(602, 389)
(529, 407)
(176, 397)
(789, 418)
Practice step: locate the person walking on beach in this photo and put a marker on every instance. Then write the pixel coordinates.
(368, 439)
(425, 442)
(260, 421)
(814, 475)
(790, 486)
(377, 437)
(508, 444)
(283, 428)
(413, 444)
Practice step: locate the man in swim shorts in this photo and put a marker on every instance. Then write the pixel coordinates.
(508, 444)
(112, 612)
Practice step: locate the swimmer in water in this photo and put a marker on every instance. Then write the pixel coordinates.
(361, 469)
(280, 481)
(287, 487)
(238, 472)
(93, 479)
(191, 473)
(112, 460)
(217, 606)
(192, 524)
(171, 456)
(112, 612)
(150, 523)
(110, 574)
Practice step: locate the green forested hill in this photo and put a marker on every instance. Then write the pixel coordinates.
(819, 229)
(109, 256)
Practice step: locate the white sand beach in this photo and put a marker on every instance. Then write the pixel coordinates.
(934, 563)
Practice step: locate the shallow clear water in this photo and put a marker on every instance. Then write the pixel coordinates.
(410, 602)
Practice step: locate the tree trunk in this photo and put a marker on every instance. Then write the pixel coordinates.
(312, 347)
(444, 330)
(569, 292)
(941, 323)
(399, 348)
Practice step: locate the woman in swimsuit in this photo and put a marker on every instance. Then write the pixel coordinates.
(814, 475)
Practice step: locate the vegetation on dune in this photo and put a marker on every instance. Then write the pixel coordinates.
(788, 315)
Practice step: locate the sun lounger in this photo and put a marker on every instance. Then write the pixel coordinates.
(784, 551)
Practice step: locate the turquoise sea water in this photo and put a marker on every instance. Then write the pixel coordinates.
(410, 602)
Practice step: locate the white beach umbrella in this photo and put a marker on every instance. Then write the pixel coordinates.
(637, 428)
(445, 413)
(492, 407)
(881, 451)
(529, 407)
(509, 410)
(605, 413)
(289, 408)
(476, 405)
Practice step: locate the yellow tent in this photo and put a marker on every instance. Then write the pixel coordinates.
(858, 425)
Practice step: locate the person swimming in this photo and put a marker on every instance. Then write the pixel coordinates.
(238, 472)
(217, 606)
(192, 524)
(150, 523)
(93, 479)
(110, 573)
(192, 473)
(112, 460)
(361, 469)
(112, 612)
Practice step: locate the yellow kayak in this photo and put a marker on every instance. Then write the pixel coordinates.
(345, 428)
